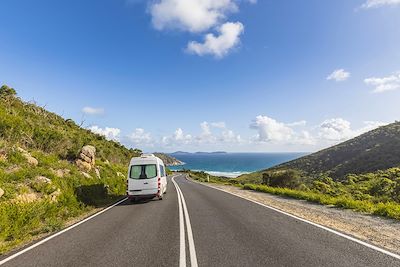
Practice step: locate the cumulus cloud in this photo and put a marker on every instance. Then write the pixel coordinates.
(336, 129)
(339, 129)
(93, 111)
(178, 138)
(384, 84)
(339, 75)
(109, 133)
(220, 124)
(190, 15)
(218, 45)
(140, 137)
(206, 136)
(328, 132)
(199, 16)
(379, 3)
(270, 130)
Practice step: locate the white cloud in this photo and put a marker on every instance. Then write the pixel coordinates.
(338, 129)
(219, 124)
(228, 136)
(199, 16)
(93, 111)
(140, 137)
(109, 133)
(339, 75)
(220, 45)
(190, 15)
(271, 130)
(388, 83)
(379, 3)
(329, 132)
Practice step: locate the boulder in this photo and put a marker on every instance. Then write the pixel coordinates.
(87, 158)
(87, 175)
(61, 172)
(1, 192)
(90, 152)
(83, 165)
(54, 196)
(27, 197)
(42, 180)
(31, 160)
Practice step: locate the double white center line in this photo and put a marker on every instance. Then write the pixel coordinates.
(184, 217)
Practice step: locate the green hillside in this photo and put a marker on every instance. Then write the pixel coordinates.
(361, 174)
(376, 150)
(51, 170)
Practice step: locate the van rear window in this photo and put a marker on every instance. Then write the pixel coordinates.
(143, 171)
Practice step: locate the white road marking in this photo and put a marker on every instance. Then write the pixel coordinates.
(192, 248)
(58, 233)
(310, 222)
(182, 245)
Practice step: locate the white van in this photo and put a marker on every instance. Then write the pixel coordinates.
(147, 178)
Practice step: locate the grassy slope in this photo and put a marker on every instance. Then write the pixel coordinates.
(378, 149)
(55, 143)
(361, 174)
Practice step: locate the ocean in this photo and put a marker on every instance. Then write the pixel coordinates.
(231, 164)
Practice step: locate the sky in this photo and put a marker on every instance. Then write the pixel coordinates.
(208, 75)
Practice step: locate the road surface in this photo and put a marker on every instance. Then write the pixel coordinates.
(206, 227)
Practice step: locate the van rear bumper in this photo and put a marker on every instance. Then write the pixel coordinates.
(142, 196)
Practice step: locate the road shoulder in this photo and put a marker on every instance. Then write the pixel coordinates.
(382, 232)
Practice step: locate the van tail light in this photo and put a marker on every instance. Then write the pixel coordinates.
(127, 187)
(159, 184)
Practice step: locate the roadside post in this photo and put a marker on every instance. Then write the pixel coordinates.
(208, 178)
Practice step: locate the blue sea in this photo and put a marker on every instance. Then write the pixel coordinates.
(231, 164)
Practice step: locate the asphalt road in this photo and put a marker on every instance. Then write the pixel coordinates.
(215, 229)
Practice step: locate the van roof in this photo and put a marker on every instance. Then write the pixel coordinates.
(146, 158)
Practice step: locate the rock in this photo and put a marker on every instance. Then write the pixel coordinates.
(27, 197)
(54, 196)
(97, 173)
(61, 172)
(87, 175)
(3, 155)
(87, 158)
(42, 180)
(90, 152)
(1, 192)
(31, 160)
(83, 166)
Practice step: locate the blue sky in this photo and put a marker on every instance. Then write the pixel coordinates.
(202, 75)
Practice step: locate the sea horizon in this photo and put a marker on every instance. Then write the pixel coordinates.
(232, 164)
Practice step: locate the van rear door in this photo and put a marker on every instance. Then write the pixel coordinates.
(143, 179)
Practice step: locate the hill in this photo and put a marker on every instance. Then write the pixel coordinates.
(168, 159)
(51, 170)
(375, 150)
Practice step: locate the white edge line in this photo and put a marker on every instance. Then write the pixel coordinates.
(310, 222)
(192, 248)
(182, 245)
(59, 233)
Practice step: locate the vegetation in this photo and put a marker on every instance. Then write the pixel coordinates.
(375, 150)
(41, 197)
(375, 193)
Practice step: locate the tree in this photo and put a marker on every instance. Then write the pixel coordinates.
(7, 91)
